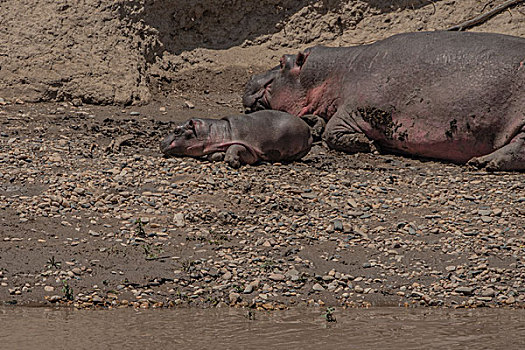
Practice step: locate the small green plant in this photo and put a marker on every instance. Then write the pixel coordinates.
(139, 230)
(250, 315)
(329, 314)
(187, 265)
(51, 262)
(150, 252)
(268, 265)
(67, 290)
(213, 301)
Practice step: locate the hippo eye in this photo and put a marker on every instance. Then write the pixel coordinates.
(281, 62)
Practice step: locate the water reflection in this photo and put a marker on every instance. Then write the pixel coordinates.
(381, 328)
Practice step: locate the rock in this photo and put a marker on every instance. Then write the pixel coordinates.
(54, 298)
(489, 292)
(178, 220)
(189, 105)
(49, 289)
(486, 219)
(234, 297)
(510, 300)
(276, 277)
(79, 190)
(308, 195)
(358, 289)
(227, 275)
(416, 295)
(97, 299)
(338, 225)
(54, 158)
(332, 286)
(464, 290)
(497, 211)
(485, 299)
(248, 289)
(318, 288)
(292, 274)
(484, 212)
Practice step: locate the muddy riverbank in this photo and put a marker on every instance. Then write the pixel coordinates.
(92, 214)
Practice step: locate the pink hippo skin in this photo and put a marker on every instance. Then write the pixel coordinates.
(271, 136)
(452, 96)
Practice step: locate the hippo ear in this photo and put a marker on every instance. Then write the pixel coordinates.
(300, 59)
(189, 124)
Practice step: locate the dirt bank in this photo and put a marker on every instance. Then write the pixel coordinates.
(124, 52)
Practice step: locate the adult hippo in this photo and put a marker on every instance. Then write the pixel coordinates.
(271, 136)
(453, 96)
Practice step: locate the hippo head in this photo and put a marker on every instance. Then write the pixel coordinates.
(188, 139)
(279, 88)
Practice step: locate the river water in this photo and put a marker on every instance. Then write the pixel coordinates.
(299, 328)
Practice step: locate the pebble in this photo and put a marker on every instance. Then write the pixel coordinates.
(486, 219)
(178, 220)
(97, 299)
(276, 277)
(234, 297)
(54, 298)
(489, 292)
(434, 233)
(465, 290)
(338, 225)
(317, 287)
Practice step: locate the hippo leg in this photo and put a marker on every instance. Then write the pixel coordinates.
(237, 155)
(340, 134)
(216, 157)
(508, 157)
(316, 124)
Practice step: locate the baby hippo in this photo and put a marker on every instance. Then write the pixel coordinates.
(266, 135)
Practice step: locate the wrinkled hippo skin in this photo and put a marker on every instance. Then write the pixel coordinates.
(455, 96)
(268, 135)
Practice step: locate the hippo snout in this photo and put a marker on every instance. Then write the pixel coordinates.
(166, 142)
(254, 97)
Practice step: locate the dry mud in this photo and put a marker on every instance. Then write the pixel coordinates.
(126, 51)
(91, 214)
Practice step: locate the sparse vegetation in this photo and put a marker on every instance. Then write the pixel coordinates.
(53, 263)
(329, 314)
(67, 290)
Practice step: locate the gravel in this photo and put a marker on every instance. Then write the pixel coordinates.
(88, 225)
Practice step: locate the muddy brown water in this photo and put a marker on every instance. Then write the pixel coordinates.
(300, 328)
